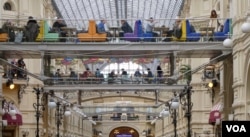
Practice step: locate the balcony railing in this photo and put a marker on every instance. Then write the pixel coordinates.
(114, 80)
(196, 30)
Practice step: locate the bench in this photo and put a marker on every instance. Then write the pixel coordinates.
(92, 34)
(4, 37)
(44, 34)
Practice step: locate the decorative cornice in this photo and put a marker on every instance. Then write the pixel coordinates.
(238, 104)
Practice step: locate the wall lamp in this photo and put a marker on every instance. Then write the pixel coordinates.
(164, 112)
(228, 43)
(172, 107)
(61, 110)
(211, 86)
(245, 27)
(39, 106)
(10, 84)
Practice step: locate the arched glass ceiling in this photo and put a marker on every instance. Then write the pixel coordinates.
(77, 12)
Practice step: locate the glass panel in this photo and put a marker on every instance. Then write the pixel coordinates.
(130, 9)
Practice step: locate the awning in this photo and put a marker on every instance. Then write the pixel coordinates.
(13, 120)
(215, 113)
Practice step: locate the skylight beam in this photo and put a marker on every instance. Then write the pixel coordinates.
(90, 4)
(105, 13)
(98, 9)
(85, 11)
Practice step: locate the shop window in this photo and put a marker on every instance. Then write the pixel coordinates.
(7, 6)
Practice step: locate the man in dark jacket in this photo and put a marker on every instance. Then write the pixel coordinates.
(126, 28)
(58, 24)
(32, 30)
(8, 28)
(21, 65)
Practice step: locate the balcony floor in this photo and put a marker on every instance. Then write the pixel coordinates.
(107, 49)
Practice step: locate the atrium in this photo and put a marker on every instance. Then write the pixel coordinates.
(123, 68)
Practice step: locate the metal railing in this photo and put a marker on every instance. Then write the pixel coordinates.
(200, 25)
(109, 80)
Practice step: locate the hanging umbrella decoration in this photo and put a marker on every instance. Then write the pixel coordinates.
(92, 60)
(143, 60)
(112, 60)
(165, 60)
(122, 60)
(66, 61)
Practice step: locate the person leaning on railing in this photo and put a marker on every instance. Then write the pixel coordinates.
(150, 77)
(149, 28)
(176, 31)
(102, 29)
(31, 29)
(57, 76)
(7, 27)
(137, 76)
(99, 75)
(124, 76)
(58, 24)
(126, 28)
(214, 22)
(73, 75)
(22, 65)
(111, 77)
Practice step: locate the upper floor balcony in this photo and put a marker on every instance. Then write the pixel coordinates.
(100, 31)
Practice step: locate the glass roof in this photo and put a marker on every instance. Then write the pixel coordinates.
(76, 13)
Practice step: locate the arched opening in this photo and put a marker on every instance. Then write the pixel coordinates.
(7, 6)
(124, 132)
(130, 67)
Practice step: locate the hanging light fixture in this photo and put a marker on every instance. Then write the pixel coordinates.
(175, 103)
(245, 27)
(67, 113)
(12, 112)
(212, 84)
(228, 43)
(52, 104)
(165, 112)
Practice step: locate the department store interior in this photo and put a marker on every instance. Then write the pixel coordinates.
(123, 68)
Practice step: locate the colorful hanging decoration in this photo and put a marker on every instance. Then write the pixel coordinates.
(165, 60)
(66, 61)
(143, 60)
(120, 60)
